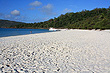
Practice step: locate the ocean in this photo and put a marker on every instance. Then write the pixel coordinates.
(5, 32)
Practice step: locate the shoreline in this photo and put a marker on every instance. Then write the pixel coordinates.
(6, 32)
(70, 51)
(59, 31)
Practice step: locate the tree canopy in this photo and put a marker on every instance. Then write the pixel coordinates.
(98, 18)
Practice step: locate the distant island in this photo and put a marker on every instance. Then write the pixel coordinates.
(98, 18)
(8, 24)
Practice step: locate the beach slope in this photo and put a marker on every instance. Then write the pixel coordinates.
(71, 51)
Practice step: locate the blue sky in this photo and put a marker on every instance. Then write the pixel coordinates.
(31, 11)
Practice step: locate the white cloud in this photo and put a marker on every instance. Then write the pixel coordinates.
(16, 18)
(15, 13)
(7, 16)
(36, 3)
(48, 6)
(48, 9)
(45, 18)
(66, 10)
(39, 19)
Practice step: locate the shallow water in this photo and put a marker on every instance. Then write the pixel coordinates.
(4, 32)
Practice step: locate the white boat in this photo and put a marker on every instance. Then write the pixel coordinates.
(53, 29)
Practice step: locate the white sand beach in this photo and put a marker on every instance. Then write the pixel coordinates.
(71, 51)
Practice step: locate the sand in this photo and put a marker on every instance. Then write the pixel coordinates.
(71, 51)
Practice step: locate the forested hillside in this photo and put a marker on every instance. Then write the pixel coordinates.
(7, 23)
(98, 18)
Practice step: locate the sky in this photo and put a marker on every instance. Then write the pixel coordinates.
(31, 11)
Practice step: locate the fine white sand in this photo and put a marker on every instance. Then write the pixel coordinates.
(71, 51)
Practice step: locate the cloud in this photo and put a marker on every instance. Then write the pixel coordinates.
(14, 18)
(48, 6)
(48, 9)
(39, 19)
(45, 18)
(15, 13)
(7, 16)
(36, 3)
(66, 10)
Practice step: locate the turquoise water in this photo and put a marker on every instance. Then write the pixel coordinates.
(4, 32)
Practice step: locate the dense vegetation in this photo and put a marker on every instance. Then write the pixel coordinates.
(7, 23)
(98, 18)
